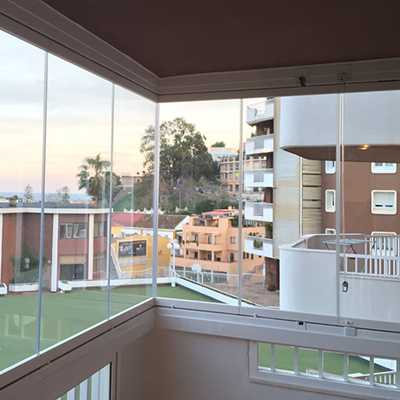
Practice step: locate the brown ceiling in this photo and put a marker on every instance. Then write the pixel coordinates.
(186, 37)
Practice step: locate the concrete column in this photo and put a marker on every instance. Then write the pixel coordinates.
(54, 254)
(90, 246)
(1, 245)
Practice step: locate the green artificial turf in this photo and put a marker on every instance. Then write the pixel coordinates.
(66, 314)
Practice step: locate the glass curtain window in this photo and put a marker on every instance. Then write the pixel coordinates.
(198, 236)
(132, 200)
(58, 246)
(78, 165)
(21, 133)
(369, 273)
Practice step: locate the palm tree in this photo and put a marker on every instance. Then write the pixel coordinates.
(93, 177)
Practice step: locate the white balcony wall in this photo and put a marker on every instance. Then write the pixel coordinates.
(265, 250)
(258, 178)
(307, 280)
(259, 145)
(260, 112)
(258, 211)
(308, 285)
(311, 121)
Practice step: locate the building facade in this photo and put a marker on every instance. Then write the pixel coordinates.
(229, 174)
(74, 244)
(210, 244)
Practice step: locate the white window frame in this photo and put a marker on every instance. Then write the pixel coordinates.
(383, 211)
(386, 168)
(330, 231)
(331, 208)
(330, 167)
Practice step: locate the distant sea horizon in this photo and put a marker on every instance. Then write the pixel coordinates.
(49, 196)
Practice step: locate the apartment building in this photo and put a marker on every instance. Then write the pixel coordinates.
(282, 191)
(229, 174)
(210, 244)
(370, 195)
(74, 244)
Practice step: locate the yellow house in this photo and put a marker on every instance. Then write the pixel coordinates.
(134, 254)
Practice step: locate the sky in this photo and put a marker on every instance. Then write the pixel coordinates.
(79, 120)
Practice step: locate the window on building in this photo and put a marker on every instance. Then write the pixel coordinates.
(330, 205)
(70, 272)
(384, 202)
(233, 239)
(66, 231)
(73, 231)
(383, 168)
(330, 167)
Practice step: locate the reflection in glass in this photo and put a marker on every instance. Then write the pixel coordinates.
(78, 165)
(21, 110)
(131, 230)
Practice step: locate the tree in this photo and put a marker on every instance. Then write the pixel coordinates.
(63, 195)
(94, 177)
(28, 194)
(183, 153)
(219, 144)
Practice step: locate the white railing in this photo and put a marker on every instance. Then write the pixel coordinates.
(369, 255)
(258, 211)
(96, 387)
(260, 144)
(379, 257)
(260, 111)
(380, 378)
(259, 178)
(259, 246)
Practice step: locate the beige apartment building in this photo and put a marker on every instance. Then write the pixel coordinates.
(210, 243)
(229, 174)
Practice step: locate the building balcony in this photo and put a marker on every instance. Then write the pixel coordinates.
(369, 277)
(259, 145)
(259, 246)
(256, 163)
(260, 112)
(262, 178)
(308, 126)
(258, 211)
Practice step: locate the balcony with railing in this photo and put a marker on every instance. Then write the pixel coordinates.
(259, 246)
(259, 178)
(369, 275)
(260, 144)
(257, 163)
(258, 211)
(260, 112)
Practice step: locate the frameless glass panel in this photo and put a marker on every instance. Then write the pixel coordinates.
(21, 126)
(132, 216)
(95, 387)
(309, 361)
(333, 365)
(78, 167)
(199, 189)
(370, 267)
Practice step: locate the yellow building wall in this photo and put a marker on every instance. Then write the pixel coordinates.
(136, 266)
